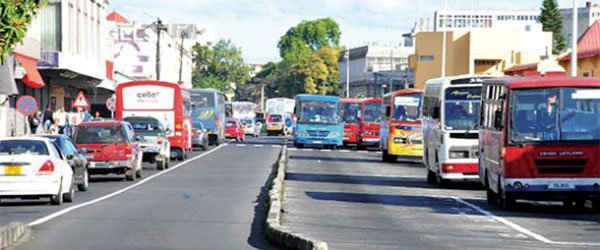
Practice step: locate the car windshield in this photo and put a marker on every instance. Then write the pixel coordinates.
(555, 114)
(247, 121)
(350, 112)
(100, 134)
(23, 147)
(231, 124)
(318, 112)
(275, 118)
(372, 112)
(407, 108)
(461, 108)
(144, 125)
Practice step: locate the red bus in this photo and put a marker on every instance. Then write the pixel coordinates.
(370, 122)
(539, 139)
(165, 101)
(350, 108)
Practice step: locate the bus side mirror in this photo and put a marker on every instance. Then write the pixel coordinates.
(436, 113)
(388, 111)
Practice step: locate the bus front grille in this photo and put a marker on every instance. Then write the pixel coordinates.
(560, 166)
(317, 133)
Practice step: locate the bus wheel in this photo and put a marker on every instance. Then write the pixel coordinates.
(491, 197)
(431, 178)
(596, 206)
(506, 201)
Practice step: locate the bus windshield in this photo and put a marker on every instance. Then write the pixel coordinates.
(318, 112)
(203, 99)
(372, 112)
(407, 108)
(349, 112)
(461, 108)
(555, 114)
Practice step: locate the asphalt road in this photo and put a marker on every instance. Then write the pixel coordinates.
(212, 202)
(352, 200)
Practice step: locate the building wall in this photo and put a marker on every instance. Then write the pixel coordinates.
(586, 16)
(589, 67)
(510, 20)
(476, 52)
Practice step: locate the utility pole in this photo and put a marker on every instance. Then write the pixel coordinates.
(444, 39)
(262, 97)
(183, 36)
(391, 69)
(347, 57)
(159, 29)
(574, 37)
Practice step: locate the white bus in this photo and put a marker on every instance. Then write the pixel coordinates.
(451, 108)
(280, 106)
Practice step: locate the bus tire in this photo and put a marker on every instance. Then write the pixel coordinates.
(505, 201)
(491, 197)
(431, 178)
(442, 183)
(596, 206)
(298, 145)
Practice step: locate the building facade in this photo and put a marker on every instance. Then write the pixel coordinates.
(506, 20)
(586, 17)
(375, 68)
(588, 53)
(476, 52)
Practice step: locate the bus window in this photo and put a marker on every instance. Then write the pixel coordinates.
(462, 108)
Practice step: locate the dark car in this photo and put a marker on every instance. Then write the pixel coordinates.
(200, 136)
(75, 158)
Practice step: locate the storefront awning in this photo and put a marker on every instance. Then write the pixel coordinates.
(32, 76)
(7, 80)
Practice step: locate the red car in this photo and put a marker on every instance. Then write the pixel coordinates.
(234, 130)
(111, 147)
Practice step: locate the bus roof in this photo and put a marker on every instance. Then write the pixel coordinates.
(318, 97)
(350, 100)
(544, 82)
(204, 91)
(372, 100)
(403, 92)
(120, 86)
(457, 80)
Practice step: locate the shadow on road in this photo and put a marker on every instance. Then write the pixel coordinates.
(18, 203)
(333, 159)
(257, 238)
(359, 179)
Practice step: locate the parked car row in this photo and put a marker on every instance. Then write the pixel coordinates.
(53, 166)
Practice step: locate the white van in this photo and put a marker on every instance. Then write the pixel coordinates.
(451, 108)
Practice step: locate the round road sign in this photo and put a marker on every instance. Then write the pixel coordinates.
(26, 105)
(111, 104)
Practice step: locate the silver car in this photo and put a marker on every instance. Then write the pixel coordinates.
(200, 136)
(152, 139)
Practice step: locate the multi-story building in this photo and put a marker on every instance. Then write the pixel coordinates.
(506, 20)
(588, 53)
(135, 52)
(586, 16)
(373, 67)
(476, 52)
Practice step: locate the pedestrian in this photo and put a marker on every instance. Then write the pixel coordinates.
(61, 116)
(53, 130)
(97, 116)
(48, 118)
(34, 122)
(86, 115)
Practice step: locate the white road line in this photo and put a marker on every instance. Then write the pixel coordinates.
(277, 146)
(518, 227)
(345, 151)
(240, 145)
(290, 149)
(85, 204)
(258, 145)
(326, 150)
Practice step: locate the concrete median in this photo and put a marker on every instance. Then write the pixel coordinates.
(11, 233)
(274, 231)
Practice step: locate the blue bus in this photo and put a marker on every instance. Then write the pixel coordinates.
(318, 121)
(208, 108)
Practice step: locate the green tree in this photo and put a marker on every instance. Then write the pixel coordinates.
(552, 21)
(219, 66)
(307, 37)
(15, 18)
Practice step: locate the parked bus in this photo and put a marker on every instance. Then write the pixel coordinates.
(318, 121)
(540, 140)
(165, 101)
(350, 109)
(208, 108)
(370, 122)
(450, 136)
(401, 129)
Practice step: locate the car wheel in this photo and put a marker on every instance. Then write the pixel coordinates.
(68, 197)
(431, 178)
(86, 182)
(58, 198)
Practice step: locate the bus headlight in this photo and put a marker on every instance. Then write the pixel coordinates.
(398, 140)
(333, 134)
(459, 154)
(301, 134)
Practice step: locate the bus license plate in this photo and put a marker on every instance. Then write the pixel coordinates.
(13, 170)
(561, 185)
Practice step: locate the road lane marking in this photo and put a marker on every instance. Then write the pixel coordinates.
(99, 199)
(258, 145)
(240, 145)
(345, 151)
(277, 146)
(519, 228)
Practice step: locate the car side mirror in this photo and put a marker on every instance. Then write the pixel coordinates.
(70, 157)
(84, 150)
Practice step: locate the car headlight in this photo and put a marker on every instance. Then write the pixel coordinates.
(459, 154)
(399, 140)
(302, 134)
(333, 134)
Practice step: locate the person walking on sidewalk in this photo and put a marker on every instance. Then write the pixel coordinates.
(34, 122)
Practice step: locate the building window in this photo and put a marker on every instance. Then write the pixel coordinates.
(426, 58)
(51, 32)
(588, 74)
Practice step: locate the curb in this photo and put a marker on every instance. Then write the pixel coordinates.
(11, 233)
(274, 231)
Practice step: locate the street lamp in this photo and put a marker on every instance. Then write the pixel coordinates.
(347, 57)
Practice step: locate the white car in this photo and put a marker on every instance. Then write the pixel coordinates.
(33, 168)
(250, 127)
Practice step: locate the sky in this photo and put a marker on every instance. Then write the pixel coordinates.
(257, 25)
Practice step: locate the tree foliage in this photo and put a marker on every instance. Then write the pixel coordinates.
(552, 21)
(307, 37)
(15, 18)
(219, 66)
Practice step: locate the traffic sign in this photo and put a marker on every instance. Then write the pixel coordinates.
(80, 101)
(26, 105)
(111, 104)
